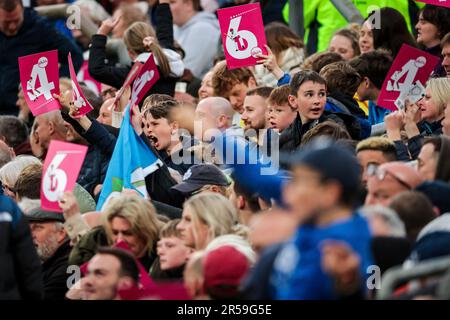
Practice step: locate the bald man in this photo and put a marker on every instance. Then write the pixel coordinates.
(46, 127)
(212, 116)
(388, 180)
(105, 113)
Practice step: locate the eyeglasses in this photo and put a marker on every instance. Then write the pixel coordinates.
(380, 174)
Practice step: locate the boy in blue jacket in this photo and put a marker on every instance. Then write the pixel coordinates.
(322, 195)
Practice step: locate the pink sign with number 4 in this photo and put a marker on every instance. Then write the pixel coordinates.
(61, 168)
(39, 77)
(243, 34)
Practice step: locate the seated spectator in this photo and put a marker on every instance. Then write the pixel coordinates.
(224, 269)
(308, 96)
(132, 219)
(433, 25)
(415, 210)
(345, 43)
(232, 85)
(202, 178)
(247, 204)
(206, 89)
(389, 179)
(255, 108)
(280, 113)
(342, 83)
(172, 254)
(297, 270)
(433, 159)
(46, 127)
(374, 151)
(53, 248)
(105, 112)
(207, 216)
(15, 133)
(165, 136)
(373, 68)
(10, 172)
(120, 272)
(419, 120)
(287, 49)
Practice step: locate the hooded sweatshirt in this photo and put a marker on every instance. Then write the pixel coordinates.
(199, 38)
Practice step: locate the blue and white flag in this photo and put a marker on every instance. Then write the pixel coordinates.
(131, 162)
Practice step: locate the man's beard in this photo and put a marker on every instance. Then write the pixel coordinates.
(47, 248)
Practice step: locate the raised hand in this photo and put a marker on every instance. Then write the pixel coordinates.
(108, 25)
(270, 63)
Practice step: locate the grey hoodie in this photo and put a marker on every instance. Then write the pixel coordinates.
(199, 37)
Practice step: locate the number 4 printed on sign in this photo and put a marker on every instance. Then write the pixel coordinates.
(38, 73)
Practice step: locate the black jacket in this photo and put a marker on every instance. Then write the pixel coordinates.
(55, 273)
(36, 35)
(115, 76)
(291, 137)
(20, 267)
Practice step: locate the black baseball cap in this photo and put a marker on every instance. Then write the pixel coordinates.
(200, 175)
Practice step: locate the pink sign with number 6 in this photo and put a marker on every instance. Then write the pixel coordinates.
(243, 34)
(39, 77)
(61, 168)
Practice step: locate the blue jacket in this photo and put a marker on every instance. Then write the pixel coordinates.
(36, 35)
(20, 268)
(298, 274)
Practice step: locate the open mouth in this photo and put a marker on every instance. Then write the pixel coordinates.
(154, 141)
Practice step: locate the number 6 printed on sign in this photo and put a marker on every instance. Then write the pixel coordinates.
(243, 34)
(39, 77)
(61, 168)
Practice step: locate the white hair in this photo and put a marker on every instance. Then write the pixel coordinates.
(389, 216)
(10, 172)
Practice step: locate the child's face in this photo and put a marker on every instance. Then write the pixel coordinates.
(310, 100)
(280, 117)
(172, 252)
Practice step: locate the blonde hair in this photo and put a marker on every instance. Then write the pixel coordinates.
(133, 39)
(217, 212)
(440, 92)
(140, 213)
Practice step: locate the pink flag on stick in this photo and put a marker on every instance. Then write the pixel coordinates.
(441, 3)
(61, 168)
(406, 78)
(243, 34)
(147, 77)
(79, 100)
(39, 77)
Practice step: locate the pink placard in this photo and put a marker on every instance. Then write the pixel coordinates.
(441, 3)
(135, 70)
(147, 77)
(407, 77)
(61, 168)
(39, 77)
(79, 100)
(243, 34)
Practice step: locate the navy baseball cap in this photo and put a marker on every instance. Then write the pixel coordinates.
(200, 175)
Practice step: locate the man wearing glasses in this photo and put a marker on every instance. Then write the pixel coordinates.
(389, 179)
